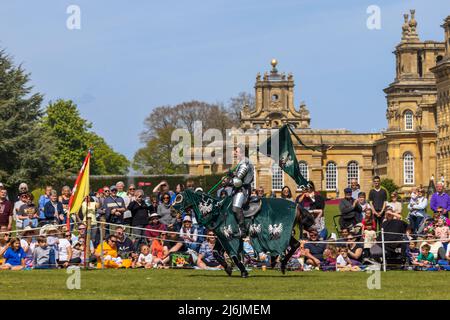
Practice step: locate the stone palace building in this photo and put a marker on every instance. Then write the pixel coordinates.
(414, 149)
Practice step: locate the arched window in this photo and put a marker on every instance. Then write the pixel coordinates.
(408, 168)
(331, 176)
(277, 177)
(303, 167)
(409, 120)
(352, 171)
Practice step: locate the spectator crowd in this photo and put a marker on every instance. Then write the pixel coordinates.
(119, 227)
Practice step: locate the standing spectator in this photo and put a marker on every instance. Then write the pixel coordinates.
(23, 188)
(260, 192)
(225, 189)
(53, 210)
(315, 204)
(362, 202)
(161, 190)
(395, 204)
(114, 207)
(368, 219)
(370, 237)
(131, 194)
(140, 217)
(355, 188)
(178, 189)
(89, 210)
(442, 231)
(64, 198)
(417, 209)
(44, 256)
(43, 199)
(168, 216)
(349, 209)
(121, 189)
(190, 184)
(440, 199)
(6, 211)
(28, 213)
(14, 256)
(205, 255)
(378, 198)
(286, 193)
(17, 205)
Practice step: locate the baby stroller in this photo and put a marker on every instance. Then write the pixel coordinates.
(354, 226)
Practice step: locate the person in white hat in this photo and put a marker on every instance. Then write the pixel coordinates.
(155, 226)
(189, 233)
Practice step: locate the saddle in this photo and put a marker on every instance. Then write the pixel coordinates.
(252, 207)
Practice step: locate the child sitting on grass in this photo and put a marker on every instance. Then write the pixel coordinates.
(343, 262)
(442, 232)
(44, 256)
(14, 256)
(329, 255)
(412, 252)
(146, 259)
(425, 259)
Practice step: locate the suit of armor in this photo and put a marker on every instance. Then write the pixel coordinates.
(242, 178)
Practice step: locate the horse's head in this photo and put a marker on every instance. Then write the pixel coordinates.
(205, 207)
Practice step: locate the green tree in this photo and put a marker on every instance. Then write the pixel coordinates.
(72, 137)
(389, 185)
(24, 146)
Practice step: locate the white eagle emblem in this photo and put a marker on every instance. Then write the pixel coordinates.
(254, 229)
(275, 230)
(205, 208)
(227, 231)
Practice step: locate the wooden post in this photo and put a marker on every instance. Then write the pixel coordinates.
(87, 252)
(102, 232)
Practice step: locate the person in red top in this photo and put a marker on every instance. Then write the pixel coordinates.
(6, 211)
(368, 218)
(154, 228)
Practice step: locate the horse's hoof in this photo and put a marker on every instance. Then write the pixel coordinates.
(244, 274)
(283, 269)
(229, 270)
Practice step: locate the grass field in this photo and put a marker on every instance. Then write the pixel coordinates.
(196, 284)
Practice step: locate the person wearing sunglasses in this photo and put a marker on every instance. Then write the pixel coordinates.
(206, 258)
(165, 211)
(110, 254)
(139, 217)
(417, 209)
(114, 207)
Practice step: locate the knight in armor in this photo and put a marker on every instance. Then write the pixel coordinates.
(241, 181)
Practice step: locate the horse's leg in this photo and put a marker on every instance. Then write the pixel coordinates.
(240, 265)
(273, 261)
(293, 244)
(221, 259)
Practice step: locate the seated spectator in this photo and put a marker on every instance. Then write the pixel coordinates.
(64, 250)
(260, 192)
(146, 259)
(82, 235)
(28, 244)
(4, 245)
(435, 246)
(412, 252)
(349, 209)
(14, 256)
(330, 256)
(77, 253)
(417, 207)
(442, 232)
(157, 248)
(44, 256)
(155, 227)
(425, 259)
(205, 255)
(27, 214)
(110, 254)
(342, 240)
(124, 244)
(355, 250)
(53, 210)
(189, 234)
(343, 261)
(172, 243)
(313, 250)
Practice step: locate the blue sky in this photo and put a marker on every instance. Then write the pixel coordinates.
(131, 56)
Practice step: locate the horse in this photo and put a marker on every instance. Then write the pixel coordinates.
(270, 221)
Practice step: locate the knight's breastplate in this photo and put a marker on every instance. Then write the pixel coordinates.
(247, 179)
